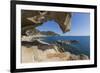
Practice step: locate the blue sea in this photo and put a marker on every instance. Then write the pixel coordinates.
(83, 47)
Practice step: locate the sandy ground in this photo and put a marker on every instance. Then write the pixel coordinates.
(27, 55)
(32, 54)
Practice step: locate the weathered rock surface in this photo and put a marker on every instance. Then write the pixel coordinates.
(36, 18)
(33, 54)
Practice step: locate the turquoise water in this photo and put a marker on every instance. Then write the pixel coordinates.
(83, 47)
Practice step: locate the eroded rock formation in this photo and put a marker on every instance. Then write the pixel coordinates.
(31, 19)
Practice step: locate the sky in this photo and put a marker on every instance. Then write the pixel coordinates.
(80, 25)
